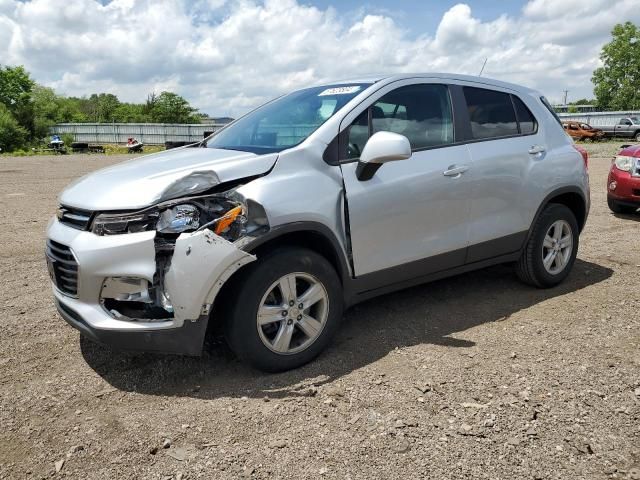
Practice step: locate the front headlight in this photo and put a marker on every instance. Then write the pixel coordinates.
(224, 214)
(623, 162)
(178, 219)
(116, 224)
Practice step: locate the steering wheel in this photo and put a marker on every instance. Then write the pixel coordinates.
(353, 150)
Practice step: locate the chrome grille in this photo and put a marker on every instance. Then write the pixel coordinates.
(63, 268)
(74, 217)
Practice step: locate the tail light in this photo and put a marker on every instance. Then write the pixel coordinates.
(585, 155)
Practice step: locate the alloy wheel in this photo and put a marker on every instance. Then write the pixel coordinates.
(292, 313)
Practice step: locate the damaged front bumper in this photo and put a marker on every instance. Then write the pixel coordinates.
(109, 287)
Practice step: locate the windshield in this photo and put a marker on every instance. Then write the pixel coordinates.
(286, 121)
(635, 120)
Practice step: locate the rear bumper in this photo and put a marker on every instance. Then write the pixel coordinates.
(184, 340)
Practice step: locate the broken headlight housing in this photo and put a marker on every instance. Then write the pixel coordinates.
(225, 214)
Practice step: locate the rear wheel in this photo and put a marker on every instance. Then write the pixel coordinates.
(551, 249)
(616, 207)
(637, 136)
(285, 310)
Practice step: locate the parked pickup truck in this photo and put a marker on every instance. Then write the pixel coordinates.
(627, 127)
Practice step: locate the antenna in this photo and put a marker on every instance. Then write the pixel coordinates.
(483, 65)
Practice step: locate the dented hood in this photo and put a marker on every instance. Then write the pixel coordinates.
(144, 181)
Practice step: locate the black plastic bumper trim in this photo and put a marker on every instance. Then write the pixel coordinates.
(185, 340)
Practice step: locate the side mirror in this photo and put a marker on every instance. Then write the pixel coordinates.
(381, 148)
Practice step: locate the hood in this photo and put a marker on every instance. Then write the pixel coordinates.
(142, 182)
(630, 150)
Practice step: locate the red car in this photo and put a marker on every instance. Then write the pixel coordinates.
(623, 185)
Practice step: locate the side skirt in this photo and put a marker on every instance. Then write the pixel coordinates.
(501, 250)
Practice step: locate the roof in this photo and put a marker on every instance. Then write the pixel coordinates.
(445, 76)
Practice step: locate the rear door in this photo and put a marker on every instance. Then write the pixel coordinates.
(410, 218)
(505, 143)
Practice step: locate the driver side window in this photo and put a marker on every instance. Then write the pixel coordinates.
(420, 112)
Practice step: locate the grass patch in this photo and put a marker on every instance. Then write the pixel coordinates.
(108, 150)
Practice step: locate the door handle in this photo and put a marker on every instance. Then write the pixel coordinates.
(455, 171)
(537, 149)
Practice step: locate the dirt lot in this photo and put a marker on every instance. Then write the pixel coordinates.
(476, 376)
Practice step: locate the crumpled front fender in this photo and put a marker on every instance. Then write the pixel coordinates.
(202, 262)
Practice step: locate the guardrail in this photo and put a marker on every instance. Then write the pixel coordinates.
(147, 133)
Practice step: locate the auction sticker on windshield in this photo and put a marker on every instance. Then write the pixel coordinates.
(339, 91)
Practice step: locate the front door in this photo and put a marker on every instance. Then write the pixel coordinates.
(412, 217)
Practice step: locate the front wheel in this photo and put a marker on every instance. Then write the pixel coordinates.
(285, 309)
(551, 250)
(637, 136)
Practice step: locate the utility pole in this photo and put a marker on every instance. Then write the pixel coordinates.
(566, 92)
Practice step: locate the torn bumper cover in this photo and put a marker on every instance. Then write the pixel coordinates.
(96, 278)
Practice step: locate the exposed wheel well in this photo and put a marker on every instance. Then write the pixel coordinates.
(310, 239)
(575, 203)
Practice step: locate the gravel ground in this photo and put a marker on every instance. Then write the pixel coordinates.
(476, 376)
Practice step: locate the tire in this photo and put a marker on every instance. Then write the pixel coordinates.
(531, 268)
(616, 207)
(263, 346)
(637, 136)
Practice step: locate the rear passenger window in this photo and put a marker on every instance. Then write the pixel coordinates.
(526, 120)
(491, 113)
(420, 112)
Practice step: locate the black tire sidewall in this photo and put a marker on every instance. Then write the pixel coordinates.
(241, 328)
(551, 214)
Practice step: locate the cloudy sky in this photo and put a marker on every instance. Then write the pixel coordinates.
(227, 56)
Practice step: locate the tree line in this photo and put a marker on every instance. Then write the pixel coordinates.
(28, 110)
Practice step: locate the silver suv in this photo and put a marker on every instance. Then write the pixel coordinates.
(320, 199)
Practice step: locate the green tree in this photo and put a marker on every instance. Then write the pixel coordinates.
(617, 82)
(12, 135)
(15, 94)
(171, 108)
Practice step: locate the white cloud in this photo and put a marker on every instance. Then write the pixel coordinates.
(228, 56)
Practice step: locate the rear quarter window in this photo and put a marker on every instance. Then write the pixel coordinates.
(491, 113)
(526, 120)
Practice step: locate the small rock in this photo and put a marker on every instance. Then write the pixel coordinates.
(402, 446)
(513, 355)
(153, 450)
(490, 422)
(59, 464)
(323, 470)
(185, 426)
(531, 433)
(334, 391)
(515, 441)
(230, 409)
(177, 453)
(76, 449)
(474, 405)
(637, 392)
(399, 424)
(105, 391)
(278, 444)
(424, 388)
(179, 476)
(465, 427)
(309, 391)
(166, 443)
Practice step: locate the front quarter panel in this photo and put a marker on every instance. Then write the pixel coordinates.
(302, 188)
